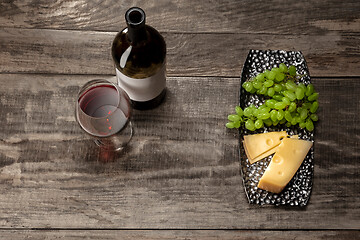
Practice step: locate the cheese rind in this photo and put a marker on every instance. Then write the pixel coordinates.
(257, 145)
(284, 164)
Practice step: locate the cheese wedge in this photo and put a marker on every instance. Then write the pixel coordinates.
(269, 152)
(284, 164)
(263, 155)
(258, 146)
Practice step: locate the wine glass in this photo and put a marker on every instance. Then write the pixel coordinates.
(103, 111)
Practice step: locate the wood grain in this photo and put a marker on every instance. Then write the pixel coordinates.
(180, 177)
(178, 234)
(231, 16)
(78, 52)
(181, 169)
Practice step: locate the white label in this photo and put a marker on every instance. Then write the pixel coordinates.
(144, 89)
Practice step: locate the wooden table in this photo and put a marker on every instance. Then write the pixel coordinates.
(180, 178)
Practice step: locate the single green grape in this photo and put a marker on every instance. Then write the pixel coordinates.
(313, 97)
(258, 123)
(252, 106)
(302, 125)
(277, 87)
(292, 107)
(306, 105)
(263, 115)
(248, 86)
(288, 124)
(271, 92)
(268, 83)
(249, 124)
(279, 76)
(263, 90)
(288, 116)
(280, 115)
(266, 73)
(265, 109)
(267, 122)
(233, 117)
(292, 70)
(298, 119)
(300, 93)
(314, 117)
(239, 111)
(270, 102)
(301, 85)
(273, 115)
(237, 124)
(291, 86)
(309, 125)
(290, 95)
(277, 97)
(230, 125)
(260, 77)
(262, 106)
(314, 107)
(280, 105)
(283, 68)
(248, 112)
(272, 75)
(286, 100)
(257, 84)
(275, 70)
(255, 112)
(303, 114)
(309, 90)
(293, 121)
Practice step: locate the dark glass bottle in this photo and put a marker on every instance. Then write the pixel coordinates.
(139, 54)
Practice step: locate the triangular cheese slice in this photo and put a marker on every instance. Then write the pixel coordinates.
(258, 146)
(263, 155)
(269, 152)
(284, 164)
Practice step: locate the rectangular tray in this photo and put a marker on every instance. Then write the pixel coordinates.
(298, 190)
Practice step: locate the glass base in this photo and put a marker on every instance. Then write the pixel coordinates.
(117, 142)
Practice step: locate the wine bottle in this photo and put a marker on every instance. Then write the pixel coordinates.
(139, 54)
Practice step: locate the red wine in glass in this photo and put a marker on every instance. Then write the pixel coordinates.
(103, 110)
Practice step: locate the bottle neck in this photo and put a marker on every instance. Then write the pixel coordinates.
(136, 35)
(135, 20)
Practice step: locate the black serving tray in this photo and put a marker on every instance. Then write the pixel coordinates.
(298, 190)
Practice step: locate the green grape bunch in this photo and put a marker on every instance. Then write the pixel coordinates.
(287, 101)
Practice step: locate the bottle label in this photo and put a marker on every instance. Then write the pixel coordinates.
(144, 89)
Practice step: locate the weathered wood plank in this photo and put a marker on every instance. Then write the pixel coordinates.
(181, 169)
(279, 17)
(178, 234)
(77, 52)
